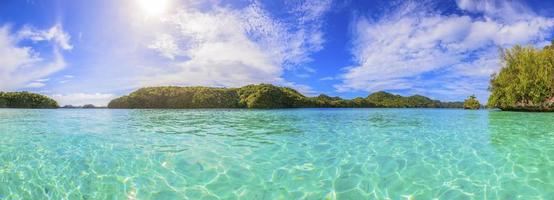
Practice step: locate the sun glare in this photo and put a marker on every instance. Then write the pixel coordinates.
(153, 7)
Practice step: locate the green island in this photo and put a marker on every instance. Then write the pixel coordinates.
(525, 81)
(263, 96)
(26, 100)
(472, 103)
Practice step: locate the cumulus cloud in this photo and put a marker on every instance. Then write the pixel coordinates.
(413, 45)
(20, 65)
(223, 46)
(80, 99)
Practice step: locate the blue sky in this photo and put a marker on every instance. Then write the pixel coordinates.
(92, 51)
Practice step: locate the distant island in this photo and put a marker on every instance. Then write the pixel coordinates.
(472, 103)
(263, 96)
(86, 106)
(526, 80)
(26, 100)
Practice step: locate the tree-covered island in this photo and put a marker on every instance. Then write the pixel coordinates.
(26, 100)
(526, 80)
(263, 96)
(472, 103)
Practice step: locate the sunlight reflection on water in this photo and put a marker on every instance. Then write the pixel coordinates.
(276, 154)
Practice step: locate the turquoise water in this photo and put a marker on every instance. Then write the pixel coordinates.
(276, 154)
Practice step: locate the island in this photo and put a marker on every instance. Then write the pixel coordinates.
(472, 103)
(526, 80)
(263, 96)
(26, 100)
(86, 106)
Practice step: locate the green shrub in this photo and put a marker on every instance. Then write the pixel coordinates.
(526, 78)
(472, 103)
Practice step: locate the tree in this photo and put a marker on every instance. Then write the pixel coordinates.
(3, 103)
(260, 96)
(525, 81)
(25, 100)
(472, 103)
(270, 96)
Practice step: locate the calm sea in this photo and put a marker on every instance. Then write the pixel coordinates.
(276, 154)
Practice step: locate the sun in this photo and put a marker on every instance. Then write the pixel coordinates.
(153, 7)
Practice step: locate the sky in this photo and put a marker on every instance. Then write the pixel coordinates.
(81, 52)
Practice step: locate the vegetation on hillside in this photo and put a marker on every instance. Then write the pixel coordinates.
(262, 96)
(25, 100)
(526, 80)
(472, 103)
(387, 100)
(178, 97)
(89, 106)
(269, 96)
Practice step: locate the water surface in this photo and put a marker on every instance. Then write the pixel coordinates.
(276, 154)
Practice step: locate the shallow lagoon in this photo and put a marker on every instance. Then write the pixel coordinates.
(276, 154)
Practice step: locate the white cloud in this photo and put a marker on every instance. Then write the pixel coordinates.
(42, 80)
(222, 46)
(197, 42)
(20, 65)
(486, 64)
(499, 9)
(166, 46)
(35, 85)
(310, 11)
(327, 78)
(55, 33)
(408, 47)
(79, 99)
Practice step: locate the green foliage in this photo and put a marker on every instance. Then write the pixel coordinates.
(324, 101)
(526, 79)
(3, 103)
(260, 96)
(324, 97)
(270, 96)
(387, 100)
(472, 103)
(25, 100)
(178, 97)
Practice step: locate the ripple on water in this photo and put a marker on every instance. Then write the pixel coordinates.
(276, 154)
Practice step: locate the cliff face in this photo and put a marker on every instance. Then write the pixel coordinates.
(261, 96)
